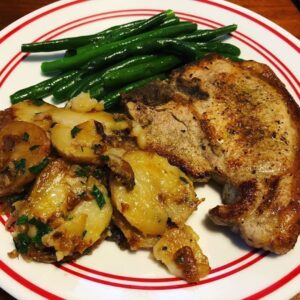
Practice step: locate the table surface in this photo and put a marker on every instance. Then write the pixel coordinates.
(282, 12)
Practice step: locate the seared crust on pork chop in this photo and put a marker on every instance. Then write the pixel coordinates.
(249, 129)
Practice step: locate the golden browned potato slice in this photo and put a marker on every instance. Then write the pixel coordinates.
(24, 148)
(32, 111)
(162, 193)
(179, 251)
(78, 143)
(64, 212)
(71, 118)
(135, 239)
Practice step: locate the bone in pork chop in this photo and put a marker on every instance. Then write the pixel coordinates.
(242, 127)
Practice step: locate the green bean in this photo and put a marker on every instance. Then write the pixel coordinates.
(123, 34)
(75, 42)
(69, 63)
(170, 21)
(70, 52)
(61, 92)
(123, 76)
(112, 98)
(219, 47)
(114, 33)
(205, 35)
(42, 89)
(152, 45)
(97, 91)
(94, 80)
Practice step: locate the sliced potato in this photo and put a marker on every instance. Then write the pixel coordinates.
(135, 239)
(84, 103)
(22, 146)
(78, 143)
(72, 118)
(179, 251)
(161, 193)
(33, 111)
(76, 211)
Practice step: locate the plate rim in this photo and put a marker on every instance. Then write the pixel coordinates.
(66, 3)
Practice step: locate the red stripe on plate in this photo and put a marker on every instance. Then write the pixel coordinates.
(2, 221)
(137, 279)
(32, 287)
(275, 286)
(245, 15)
(168, 279)
(234, 262)
(24, 24)
(163, 287)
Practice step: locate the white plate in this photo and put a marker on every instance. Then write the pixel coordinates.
(109, 273)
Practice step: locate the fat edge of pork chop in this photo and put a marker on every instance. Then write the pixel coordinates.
(251, 134)
(249, 137)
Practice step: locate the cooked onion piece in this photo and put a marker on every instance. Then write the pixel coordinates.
(24, 148)
(162, 193)
(179, 251)
(65, 213)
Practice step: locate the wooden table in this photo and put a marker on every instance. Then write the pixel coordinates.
(282, 12)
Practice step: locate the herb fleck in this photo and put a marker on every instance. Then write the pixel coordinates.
(39, 167)
(25, 136)
(22, 220)
(183, 179)
(98, 174)
(84, 232)
(20, 165)
(104, 158)
(98, 196)
(42, 229)
(34, 147)
(75, 130)
(82, 171)
(22, 242)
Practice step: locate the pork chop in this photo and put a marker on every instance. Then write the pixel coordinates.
(245, 130)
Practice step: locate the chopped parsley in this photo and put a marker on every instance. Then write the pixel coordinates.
(97, 173)
(25, 136)
(75, 130)
(42, 229)
(83, 171)
(34, 147)
(98, 196)
(20, 165)
(22, 220)
(104, 158)
(39, 167)
(183, 179)
(22, 242)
